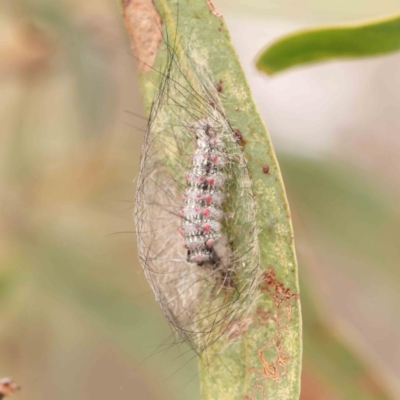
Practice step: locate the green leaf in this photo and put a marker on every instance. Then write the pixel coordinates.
(264, 361)
(338, 42)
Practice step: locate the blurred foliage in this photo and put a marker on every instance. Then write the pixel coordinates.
(78, 320)
(333, 368)
(311, 10)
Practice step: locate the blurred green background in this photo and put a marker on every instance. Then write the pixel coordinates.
(77, 318)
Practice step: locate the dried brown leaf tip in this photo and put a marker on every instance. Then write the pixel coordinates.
(7, 387)
(213, 9)
(144, 27)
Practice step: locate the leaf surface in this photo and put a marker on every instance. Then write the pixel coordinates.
(265, 362)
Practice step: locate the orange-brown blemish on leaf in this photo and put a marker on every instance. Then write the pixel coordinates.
(262, 316)
(280, 315)
(278, 292)
(288, 310)
(254, 396)
(272, 369)
(144, 27)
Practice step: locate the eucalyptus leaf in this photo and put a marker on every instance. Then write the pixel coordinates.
(265, 360)
(350, 41)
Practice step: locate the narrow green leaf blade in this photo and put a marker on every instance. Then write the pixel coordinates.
(263, 361)
(336, 42)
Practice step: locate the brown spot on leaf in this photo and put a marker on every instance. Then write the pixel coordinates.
(144, 27)
(273, 369)
(256, 388)
(218, 86)
(239, 137)
(265, 169)
(211, 103)
(278, 292)
(275, 366)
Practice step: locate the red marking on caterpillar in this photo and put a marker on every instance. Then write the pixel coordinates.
(206, 212)
(210, 243)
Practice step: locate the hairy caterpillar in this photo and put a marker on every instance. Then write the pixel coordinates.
(194, 211)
